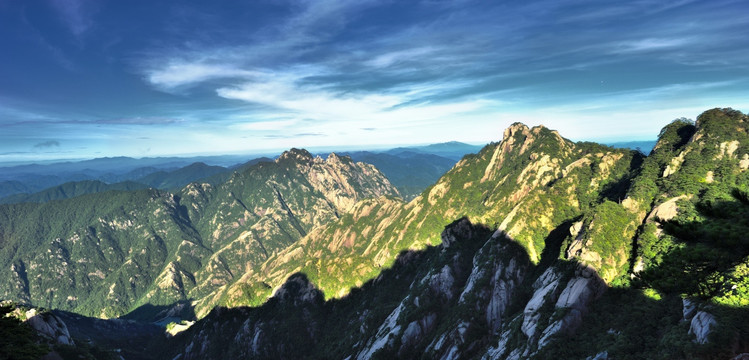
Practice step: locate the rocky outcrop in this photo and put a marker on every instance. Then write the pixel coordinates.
(545, 289)
(701, 326)
(689, 309)
(386, 333)
(297, 291)
(583, 288)
(49, 326)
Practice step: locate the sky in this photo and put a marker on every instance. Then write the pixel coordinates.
(95, 78)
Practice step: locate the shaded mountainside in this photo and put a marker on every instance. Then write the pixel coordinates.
(562, 250)
(108, 254)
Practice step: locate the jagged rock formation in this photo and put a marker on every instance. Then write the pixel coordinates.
(585, 236)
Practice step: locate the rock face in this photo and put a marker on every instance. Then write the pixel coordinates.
(701, 326)
(689, 307)
(49, 326)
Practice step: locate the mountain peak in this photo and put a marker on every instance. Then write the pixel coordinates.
(296, 154)
(514, 129)
(335, 158)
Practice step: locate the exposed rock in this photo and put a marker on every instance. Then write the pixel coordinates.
(504, 282)
(689, 308)
(449, 343)
(579, 292)
(744, 162)
(295, 154)
(460, 229)
(575, 228)
(701, 326)
(603, 355)
(298, 290)
(50, 326)
(727, 149)
(709, 177)
(545, 287)
(675, 164)
(387, 331)
(416, 330)
(442, 282)
(667, 210)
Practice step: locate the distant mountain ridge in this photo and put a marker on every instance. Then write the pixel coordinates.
(453, 149)
(121, 250)
(71, 189)
(174, 172)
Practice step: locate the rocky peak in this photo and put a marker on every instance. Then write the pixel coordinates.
(720, 117)
(298, 291)
(300, 155)
(514, 129)
(458, 229)
(334, 158)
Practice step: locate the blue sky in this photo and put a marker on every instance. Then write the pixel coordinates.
(90, 78)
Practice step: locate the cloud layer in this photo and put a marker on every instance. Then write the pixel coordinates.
(245, 77)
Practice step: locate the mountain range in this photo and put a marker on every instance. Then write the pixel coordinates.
(533, 247)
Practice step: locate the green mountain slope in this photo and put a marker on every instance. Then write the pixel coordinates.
(528, 184)
(107, 254)
(585, 252)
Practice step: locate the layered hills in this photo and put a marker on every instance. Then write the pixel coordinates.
(535, 247)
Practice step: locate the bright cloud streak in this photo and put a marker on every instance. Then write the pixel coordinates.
(195, 77)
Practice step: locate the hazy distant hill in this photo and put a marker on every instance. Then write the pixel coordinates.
(180, 177)
(645, 146)
(411, 172)
(34, 177)
(71, 189)
(453, 150)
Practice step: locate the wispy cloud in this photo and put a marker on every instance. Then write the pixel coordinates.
(179, 74)
(75, 14)
(647, 45)
(47, 144)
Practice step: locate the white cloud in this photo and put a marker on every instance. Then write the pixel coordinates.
(391, 58)
(650, 44)
(265, 125)
(177, 74)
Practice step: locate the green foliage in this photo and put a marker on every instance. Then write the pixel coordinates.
(17, 340)
(649, 330)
